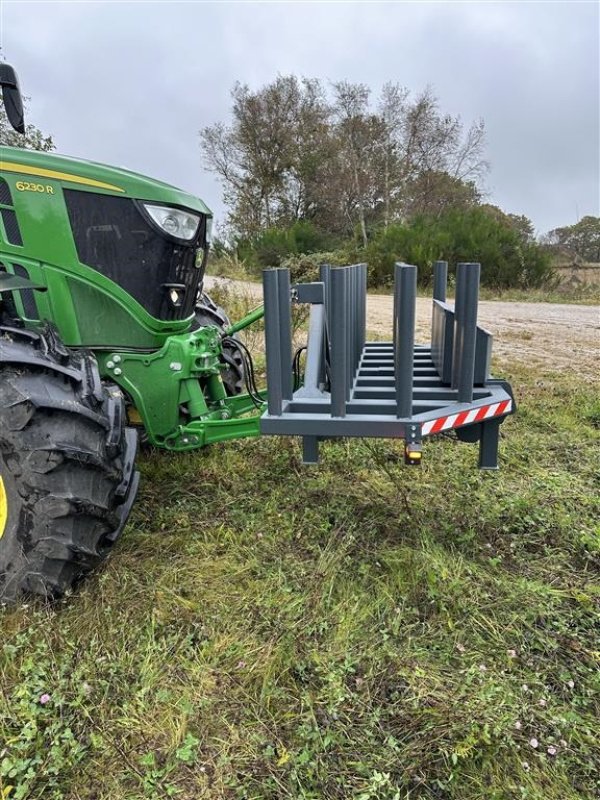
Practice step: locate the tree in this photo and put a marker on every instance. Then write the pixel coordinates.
(32, 139)
(295, 152)
(360, 135)
(518, 223)
(432, 192)
(271, 157)
(583, 238)
(523, 227)
(427, 152)
(392, 110)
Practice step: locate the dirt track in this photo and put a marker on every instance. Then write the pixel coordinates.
(542, 334)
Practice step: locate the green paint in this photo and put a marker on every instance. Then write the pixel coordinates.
(178, 391)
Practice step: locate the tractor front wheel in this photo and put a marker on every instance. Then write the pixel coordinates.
(67, 479)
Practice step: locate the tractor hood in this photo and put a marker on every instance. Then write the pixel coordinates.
(89, 175)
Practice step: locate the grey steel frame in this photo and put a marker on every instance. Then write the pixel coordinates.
(378, 389)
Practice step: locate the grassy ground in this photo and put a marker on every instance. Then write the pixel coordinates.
(583, 294)
(357, 630)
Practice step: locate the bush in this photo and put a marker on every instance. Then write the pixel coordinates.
(274, 245)
(305, 267)
(418, 244)
(507, 259)
(310, 239)
(269, 249)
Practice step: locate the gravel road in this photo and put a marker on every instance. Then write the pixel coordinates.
(552, 335)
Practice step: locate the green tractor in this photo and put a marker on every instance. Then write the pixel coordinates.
(104, 331)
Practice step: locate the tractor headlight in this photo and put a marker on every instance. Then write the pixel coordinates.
(174, 221)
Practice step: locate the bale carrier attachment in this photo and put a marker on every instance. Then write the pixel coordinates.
(395, 389)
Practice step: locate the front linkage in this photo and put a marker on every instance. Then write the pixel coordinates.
(177, 393)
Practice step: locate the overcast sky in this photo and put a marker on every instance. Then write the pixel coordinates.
(131, 83)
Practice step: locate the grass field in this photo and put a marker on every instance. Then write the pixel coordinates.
(357, 630)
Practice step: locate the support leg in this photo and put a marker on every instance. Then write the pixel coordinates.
(310, 450)
(488, 445)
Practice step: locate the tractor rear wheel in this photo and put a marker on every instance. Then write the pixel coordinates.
(209, 313)
(67, 479)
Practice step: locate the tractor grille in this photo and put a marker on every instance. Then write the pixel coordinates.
(9, 218)
(113, 237)
(5, 197)
(27, 295)
(11, 226)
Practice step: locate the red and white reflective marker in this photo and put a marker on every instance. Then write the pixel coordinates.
(466, 417)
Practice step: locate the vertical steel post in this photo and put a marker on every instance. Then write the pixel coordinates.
(354, 318)
(349, 316)
(325, 277)
(285, 332)
(350, 324)
(465, 337)
(488, 444)
(405, 293)
(459, 295)
(272, 341)
(314, 364)
(356, 326)
(438, 321)
(310, 450)
(338, 341)
(363, 307)
(440, 280)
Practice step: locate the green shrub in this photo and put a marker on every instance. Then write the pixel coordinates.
(274, 245)
(305, 267)
(507, 259)
(269, 249)
(310, 239)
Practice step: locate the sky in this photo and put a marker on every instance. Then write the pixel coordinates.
(132, 83)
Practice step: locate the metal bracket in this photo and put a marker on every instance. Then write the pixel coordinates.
(313, 293)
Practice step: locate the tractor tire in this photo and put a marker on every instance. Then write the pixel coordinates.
(67, 478)
(209, 313)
